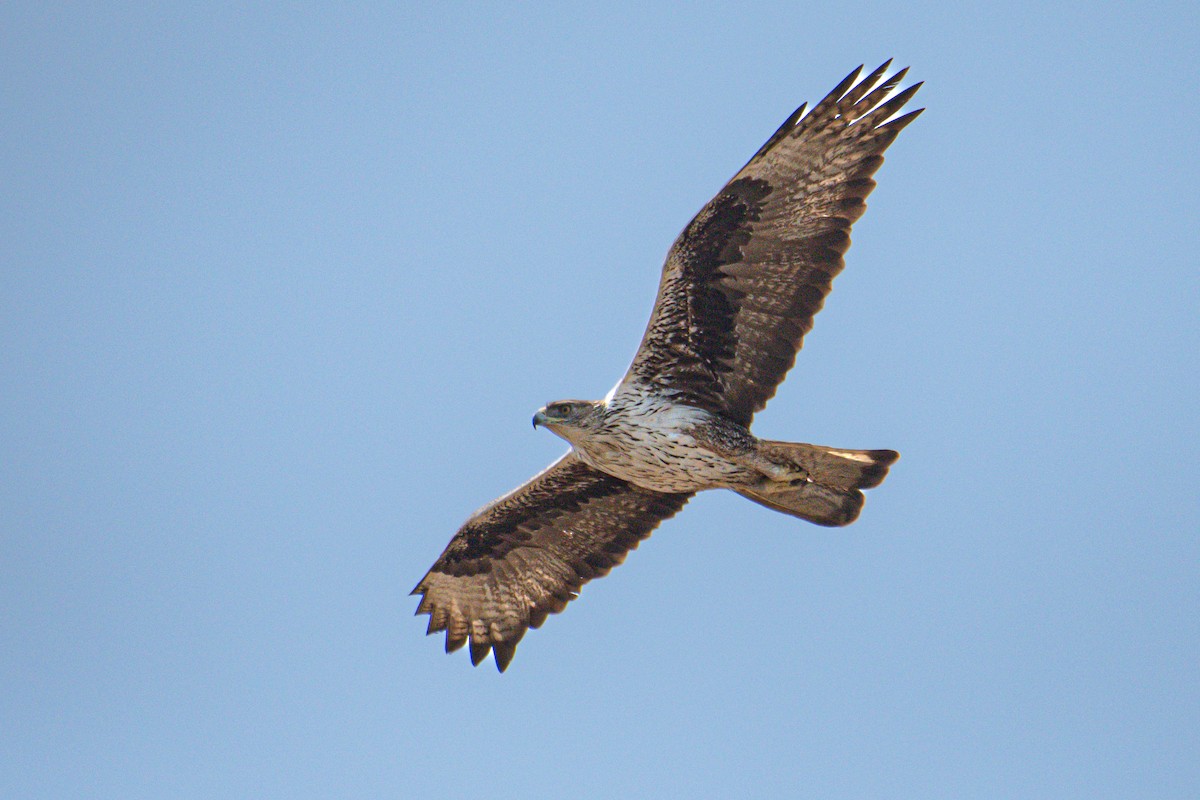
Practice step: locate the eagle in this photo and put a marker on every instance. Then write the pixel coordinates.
(739, 290)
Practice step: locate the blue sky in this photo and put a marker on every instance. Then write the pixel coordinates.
(282, 287)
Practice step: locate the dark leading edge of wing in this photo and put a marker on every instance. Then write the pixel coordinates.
(745, 278)
(527, 554)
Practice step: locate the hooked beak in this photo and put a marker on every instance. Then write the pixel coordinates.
(539, 419)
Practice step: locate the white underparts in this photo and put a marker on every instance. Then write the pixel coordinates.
(649, 441)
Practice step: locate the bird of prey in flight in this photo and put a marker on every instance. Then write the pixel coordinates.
(739, 290)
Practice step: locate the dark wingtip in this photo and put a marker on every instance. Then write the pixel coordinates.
(503, 651)
(894, 81)
(836, 93)
(910, 91)
(899, 123)
(893, 104)
(877, 73)
(479, 651)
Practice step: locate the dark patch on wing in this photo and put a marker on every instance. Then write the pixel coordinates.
(693, 324)
(512, 520)
(744, 280)
(527, 554)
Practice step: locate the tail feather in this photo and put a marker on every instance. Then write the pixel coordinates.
(832, 466)
(821, 484)
(813, 502)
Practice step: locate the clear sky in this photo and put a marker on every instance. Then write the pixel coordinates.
(281, 288)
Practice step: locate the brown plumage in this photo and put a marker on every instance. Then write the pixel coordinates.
(739, 291)
(527, 554)
(744, 280)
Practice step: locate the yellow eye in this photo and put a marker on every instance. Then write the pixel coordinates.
(562, 410)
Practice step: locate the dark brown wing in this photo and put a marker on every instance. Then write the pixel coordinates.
(527, 554)
(745, 278)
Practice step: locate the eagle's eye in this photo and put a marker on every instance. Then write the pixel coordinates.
(562, 410)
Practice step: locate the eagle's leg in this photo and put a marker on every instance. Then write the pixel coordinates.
(735, 444)
(819, 484)
(832, 467)
(771, 472)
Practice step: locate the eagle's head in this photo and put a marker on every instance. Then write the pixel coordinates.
(567, 418)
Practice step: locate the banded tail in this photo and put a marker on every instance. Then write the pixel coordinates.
(823, 484)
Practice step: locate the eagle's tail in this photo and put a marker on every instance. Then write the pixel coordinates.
(821, 484)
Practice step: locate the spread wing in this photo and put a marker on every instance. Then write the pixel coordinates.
(527, 554)
(743, 281)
